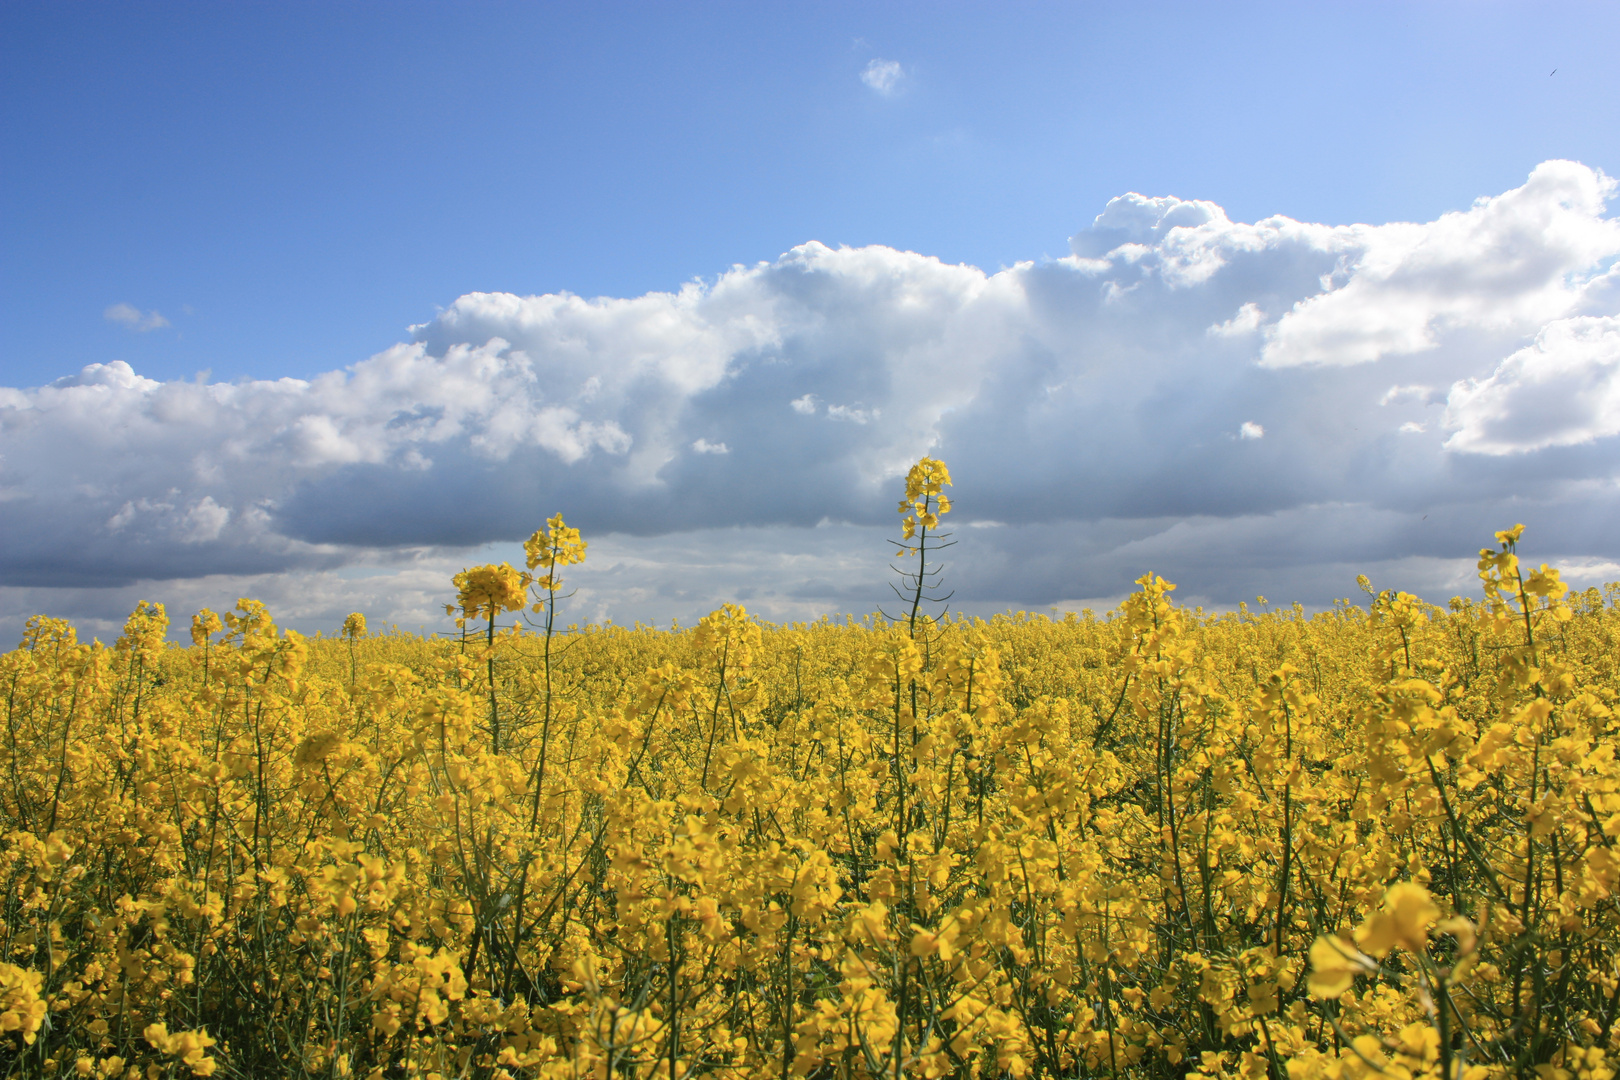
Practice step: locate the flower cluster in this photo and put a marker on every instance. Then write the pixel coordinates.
(488, 592)
(925, 502)
(556, 545)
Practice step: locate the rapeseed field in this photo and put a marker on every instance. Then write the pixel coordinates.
(1373, 842)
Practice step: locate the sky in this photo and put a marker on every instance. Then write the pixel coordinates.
(319, 303)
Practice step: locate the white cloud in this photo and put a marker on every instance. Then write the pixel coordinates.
(1422, 395)
(204, 521)
(884, 76)
(1563, 390)
(1509, 263)
(853, 414)
(132, 317)
(125, 515)
(1092, 395)
(1245, 322)
(1131, 227)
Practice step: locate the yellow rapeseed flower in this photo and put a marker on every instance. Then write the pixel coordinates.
(1404, 920)
(485, 592)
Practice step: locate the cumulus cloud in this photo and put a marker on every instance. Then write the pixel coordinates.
(1563, 390)
(1508, 264)
(204, 521)
(1109, 395)
(131, 316)
(884, 76)
(1245, 322)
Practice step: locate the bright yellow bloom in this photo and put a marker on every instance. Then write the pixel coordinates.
(1334, 965)
(204, 624)
(1404, 920)
(926, 478)
(22, 1009)
(484, 592)
(556, 545)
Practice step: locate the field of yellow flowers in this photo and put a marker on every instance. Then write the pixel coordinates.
(1371, 842)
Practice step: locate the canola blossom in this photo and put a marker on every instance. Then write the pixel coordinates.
(1157, 843)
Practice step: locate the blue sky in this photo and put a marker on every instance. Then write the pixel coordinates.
(309, 179)
(281, 191)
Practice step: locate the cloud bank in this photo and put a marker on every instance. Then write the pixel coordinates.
(1237, 403)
